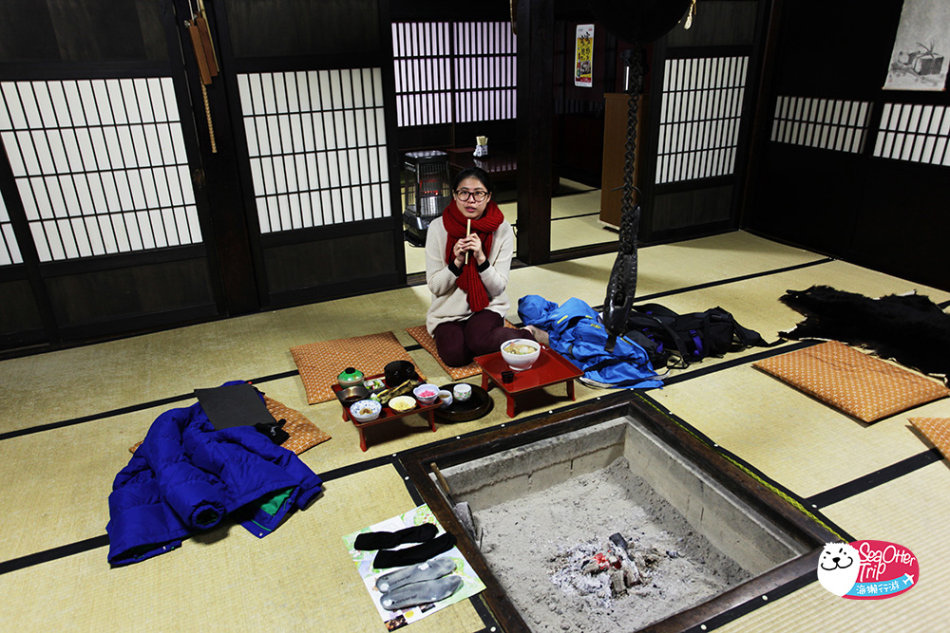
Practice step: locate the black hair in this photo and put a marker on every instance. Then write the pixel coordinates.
(474, 172)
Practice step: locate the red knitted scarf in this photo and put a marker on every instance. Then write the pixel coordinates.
(454, 222)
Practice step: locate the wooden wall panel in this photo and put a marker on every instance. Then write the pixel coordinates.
(692, 212)
(18, 311)
(344, 265)
(83, 299)
(288, 28)
(901, 224)
(814, 34)
(726, 23)
(81, 31)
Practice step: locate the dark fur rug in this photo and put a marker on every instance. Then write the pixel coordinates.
(909, 329)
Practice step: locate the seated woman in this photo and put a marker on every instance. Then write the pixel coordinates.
(467, 273)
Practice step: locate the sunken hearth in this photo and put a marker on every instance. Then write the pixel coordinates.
(613, 517)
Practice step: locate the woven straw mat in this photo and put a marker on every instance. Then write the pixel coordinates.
(937, 431)
(854, 382)
(422, 336)
(320, 363)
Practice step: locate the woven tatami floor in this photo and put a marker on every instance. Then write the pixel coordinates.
(69, 417)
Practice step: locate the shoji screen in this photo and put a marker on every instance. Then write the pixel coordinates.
(100, 165)
(485, 71)
(317, 146)
(423, 69)
(699, 117)
(9, 251)
(454, 73)
(914, 132)
(824, 123)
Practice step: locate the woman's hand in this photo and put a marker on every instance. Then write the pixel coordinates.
(471, 244)
(458, 251)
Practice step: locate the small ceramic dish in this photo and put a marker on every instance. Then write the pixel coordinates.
(365, 410)
(426, 393)
(374, 384)
(401, 404)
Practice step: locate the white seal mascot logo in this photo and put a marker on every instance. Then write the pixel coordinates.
(838, 567)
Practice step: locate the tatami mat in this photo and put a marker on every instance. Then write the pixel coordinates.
(289, 581)
(68, 418)
(801, 442)
(911, 511)
(66, 384)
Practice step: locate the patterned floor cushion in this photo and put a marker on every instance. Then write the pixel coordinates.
(861, 385)
(320, 363)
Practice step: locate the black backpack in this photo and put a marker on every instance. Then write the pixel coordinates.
(676, 340)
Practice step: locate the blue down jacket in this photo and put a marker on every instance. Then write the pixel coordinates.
(578, 334)
(187, 476)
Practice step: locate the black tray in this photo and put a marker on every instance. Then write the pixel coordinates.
(479, 405)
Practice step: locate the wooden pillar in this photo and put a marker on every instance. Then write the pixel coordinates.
(535, 116)
(224, 225)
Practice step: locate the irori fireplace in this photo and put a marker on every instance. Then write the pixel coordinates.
(700, 534)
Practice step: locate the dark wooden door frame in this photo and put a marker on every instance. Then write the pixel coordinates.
(535, 110)
(218, 175)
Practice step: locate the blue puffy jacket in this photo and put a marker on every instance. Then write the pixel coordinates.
(578, 334)
(187, 476)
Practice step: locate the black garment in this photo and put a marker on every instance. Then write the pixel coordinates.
(415, 554)
(910, 329)
(388, 540)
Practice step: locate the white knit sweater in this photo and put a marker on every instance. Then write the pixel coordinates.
(449, 302)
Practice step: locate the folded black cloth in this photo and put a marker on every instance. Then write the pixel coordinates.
(415, 554)
(387, 540)
(233, 405)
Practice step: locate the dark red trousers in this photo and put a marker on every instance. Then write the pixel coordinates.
(458, 342)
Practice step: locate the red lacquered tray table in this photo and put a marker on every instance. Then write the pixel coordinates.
(387, 414)
(550, 369)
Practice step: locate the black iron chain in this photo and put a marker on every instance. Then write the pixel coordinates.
(622, 286)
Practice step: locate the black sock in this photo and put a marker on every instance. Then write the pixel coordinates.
(386, 540)
(415, 554)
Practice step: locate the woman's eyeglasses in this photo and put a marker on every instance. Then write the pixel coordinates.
(465, 194)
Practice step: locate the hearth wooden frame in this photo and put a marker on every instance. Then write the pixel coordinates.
(758, 494)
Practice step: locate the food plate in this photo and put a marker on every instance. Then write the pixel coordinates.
(479, 405)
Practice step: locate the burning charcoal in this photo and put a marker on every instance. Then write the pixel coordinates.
(596, 564)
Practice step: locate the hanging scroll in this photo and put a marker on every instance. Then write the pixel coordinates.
(584, 56)
(918, 60)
